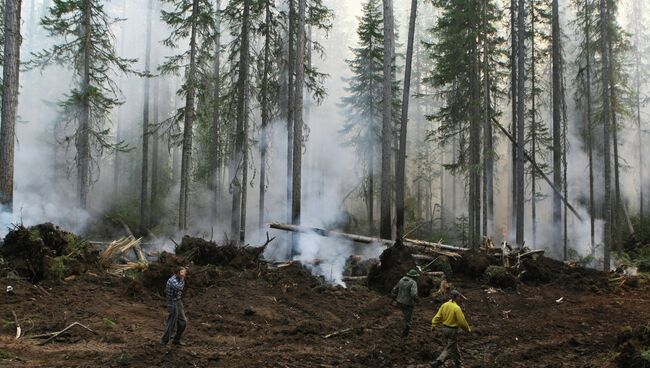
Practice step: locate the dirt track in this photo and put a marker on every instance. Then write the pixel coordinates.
(277, 318)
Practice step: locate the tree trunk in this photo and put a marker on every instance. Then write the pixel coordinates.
(637, 103)
(215, 162)
(371, 191)
(265, 114)
(385, 230)
(474, 148)
(117, 167)
(616, 211)
(521, 79)
(296, 187)
(533, 125)
(400, 180)
(557, 116)
(488, 158)
(513, 100)
(144, 183)
(155, 156)
(291, 108)
(186, 157)
(607, 206)
(10, 86)
(589, 132)
(240, 137)
(83, 134)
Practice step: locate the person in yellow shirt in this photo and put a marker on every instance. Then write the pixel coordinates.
(451, 317)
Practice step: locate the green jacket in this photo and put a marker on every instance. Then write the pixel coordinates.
(406, 291)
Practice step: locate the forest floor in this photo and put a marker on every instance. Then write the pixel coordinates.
(262, 317)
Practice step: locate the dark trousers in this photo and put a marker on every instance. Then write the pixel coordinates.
(175, 318)
(407, 311)
(451, 350)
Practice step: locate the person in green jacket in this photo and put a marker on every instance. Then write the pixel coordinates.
(405, 293)
(451, 317)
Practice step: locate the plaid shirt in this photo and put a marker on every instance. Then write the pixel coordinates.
(175, 286)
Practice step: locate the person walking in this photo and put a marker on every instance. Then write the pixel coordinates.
(451, 317)
(406, 294)
(176, 314)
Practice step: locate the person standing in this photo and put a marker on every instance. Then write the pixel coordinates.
(176, 314)
(452, 318)
(406, 294)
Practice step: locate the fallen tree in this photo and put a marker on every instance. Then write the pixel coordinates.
(417, 246)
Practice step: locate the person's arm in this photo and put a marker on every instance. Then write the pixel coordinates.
(414, 292)
(437, 319)
(461, 321)
(177, 284)
(395, 290)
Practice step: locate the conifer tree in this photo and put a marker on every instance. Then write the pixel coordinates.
(88, 49)
(193, 21)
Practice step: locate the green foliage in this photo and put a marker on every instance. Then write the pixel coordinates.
(5, 355)
(109, 323)
(85, 40)
(499, 276)
(57, 268)
(583, 261)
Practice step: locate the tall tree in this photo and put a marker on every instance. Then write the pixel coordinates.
(144, 178)
(640, 73)
(192, 21)
(521, 79)
(557, 93)
(291, 90)
(214, 177)
(363, 103)
(10, 85)
(584, 25)
(88, 49)
(400, 180)
(607, 206)
(385, 222)
(240, 157)
(296, 189)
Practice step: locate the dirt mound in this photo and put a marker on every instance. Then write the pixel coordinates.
(46, 251)
(634, 345)
(500, 277)
(472, 263)
(394, 263)
(156, 275)
(546, 270)
(203, 252)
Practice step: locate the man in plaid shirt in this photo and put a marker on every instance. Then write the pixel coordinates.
(176, 314)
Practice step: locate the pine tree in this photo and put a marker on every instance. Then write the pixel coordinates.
(10, 83)
(193, 21)
(641, 52)
(537, 137)
(144, 176)
(363, 105)
(401, 160)
(88, 49)
(386, 126)
(465, 78)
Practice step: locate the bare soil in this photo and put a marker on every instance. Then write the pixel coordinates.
(260, 317)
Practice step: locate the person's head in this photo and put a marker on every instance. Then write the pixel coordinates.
(455, 295)
(413, 273)
(181, 271)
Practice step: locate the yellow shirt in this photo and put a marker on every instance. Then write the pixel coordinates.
(450, 315)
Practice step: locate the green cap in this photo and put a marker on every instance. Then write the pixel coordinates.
(413, 273)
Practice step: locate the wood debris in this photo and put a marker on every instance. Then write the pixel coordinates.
(119, 248)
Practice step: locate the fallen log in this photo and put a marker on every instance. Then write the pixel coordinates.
(415, 245)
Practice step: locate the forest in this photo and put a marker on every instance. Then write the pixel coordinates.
(311, 153)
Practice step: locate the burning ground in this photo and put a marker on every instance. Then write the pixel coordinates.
(244, 313)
